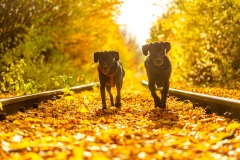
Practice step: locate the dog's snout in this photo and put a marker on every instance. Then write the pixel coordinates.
(159, 61)
(105, 68)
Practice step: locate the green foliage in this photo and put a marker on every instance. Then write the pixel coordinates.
(205, 38)
(54, 38)
(62, 81)
(32, 87)
(12, 79)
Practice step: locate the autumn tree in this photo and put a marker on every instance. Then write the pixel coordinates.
(42, 40)
(205, 38)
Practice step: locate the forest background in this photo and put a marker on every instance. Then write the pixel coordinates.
(48, 44)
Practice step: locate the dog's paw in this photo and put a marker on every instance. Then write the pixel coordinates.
(158, 102)
(118, 104)
(163, 106)
(104, 107)
(112, 104)
(159, 105)
(111, 100)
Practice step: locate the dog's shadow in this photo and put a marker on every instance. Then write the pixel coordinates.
(163, 118)
(155, 118)
(103, 116)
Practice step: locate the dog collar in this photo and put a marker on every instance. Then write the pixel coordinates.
(111, 76)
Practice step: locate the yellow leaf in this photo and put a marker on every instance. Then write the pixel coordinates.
(17, 146)
(1, 108)
(233, 126)
(57, 83)
(129, 115)
(29, 155)
(78, 152)
(83, 109)
(90, 98)
(68, 98)
(100, 157)
(16, 122)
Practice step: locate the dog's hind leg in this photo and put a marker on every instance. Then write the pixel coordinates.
(108, 87)
(118, 97)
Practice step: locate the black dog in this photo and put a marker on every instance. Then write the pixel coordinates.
(159, 68)
(110, 73)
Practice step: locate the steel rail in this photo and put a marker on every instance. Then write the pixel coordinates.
(14, 104)
(222, 106)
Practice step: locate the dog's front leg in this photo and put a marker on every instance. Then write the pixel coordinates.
(102, 91)
(108, 87)
(118, 97)
(164, 93)
(152, 88)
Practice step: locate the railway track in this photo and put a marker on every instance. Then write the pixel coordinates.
(222, 106)
(13, 105)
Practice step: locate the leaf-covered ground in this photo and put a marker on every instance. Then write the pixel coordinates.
(75, 127)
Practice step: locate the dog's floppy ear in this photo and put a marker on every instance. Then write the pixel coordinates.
(145, 49)
(96, 56)
(167, 46)
(115, 55)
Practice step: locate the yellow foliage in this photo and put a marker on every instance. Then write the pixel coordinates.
(83, 109)
(233, 126)
(1, 106)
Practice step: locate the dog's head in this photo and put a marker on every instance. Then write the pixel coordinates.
(106, 60)
(157, 51)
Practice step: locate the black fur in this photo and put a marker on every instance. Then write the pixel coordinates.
(109, 64)
(159, 68)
